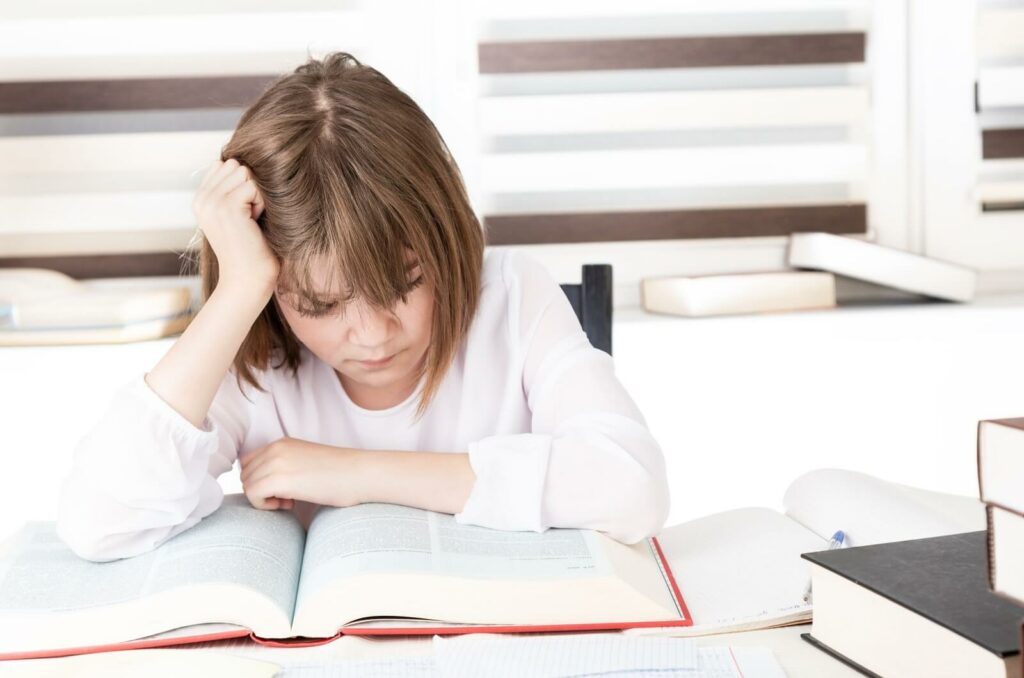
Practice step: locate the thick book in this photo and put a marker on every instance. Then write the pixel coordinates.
(369, 569)
(1000, 450)
(882, 265)
(728, 294)
(920, 607)
(1001, 487)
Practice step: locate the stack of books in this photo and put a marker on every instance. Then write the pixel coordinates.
(816, 259)
(942, 606)
(44, 307)
(1001, 488)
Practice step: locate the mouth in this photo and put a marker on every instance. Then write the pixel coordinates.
(375, 364)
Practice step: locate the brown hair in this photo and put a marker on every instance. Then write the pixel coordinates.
(350, 168)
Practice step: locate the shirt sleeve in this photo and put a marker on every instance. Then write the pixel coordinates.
(589, 460)
(144, 473)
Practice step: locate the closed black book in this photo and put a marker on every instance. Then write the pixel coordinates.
(921, 607)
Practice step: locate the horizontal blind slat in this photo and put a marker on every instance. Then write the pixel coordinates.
(578, 113)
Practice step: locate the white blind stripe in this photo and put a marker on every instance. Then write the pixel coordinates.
(149, 151)
(106, 66)
(1003, 191)
(94, 242)
(96, 211)
(695, 197)
(1001, 86)
(210, 34)
(1000, 33)
(103, 8)
(765, 165)
(528, 9)
(578, 113)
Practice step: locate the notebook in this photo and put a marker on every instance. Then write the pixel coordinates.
(368, 569)
(742, 569)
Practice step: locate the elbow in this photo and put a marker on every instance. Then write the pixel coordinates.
(643, 508)
(82, 529)
(98, 528)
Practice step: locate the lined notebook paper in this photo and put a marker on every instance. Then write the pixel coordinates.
(596, 654)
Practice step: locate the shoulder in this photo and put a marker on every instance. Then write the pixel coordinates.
(517, 288)
(523, 280)
(518, 272)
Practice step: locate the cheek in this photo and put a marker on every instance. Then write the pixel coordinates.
(421, 315)
(307, 330)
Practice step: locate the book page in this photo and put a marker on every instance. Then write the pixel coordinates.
(378, 538)
(738, 569)
(871, 510)
(563, 654)
(236, 544)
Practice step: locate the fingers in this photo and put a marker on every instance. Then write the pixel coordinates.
(270, 503)
(238, 175)
(223, 174)
(240, 185)
(247, 194)
(252, 463)
(263, 496)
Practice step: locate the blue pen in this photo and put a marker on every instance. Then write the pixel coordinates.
(837, 541)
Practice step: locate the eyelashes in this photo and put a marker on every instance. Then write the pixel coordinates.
(323, 310)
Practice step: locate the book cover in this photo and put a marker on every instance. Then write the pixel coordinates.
(943, 579)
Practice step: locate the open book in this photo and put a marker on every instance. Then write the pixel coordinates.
(741, 569)
(370, 569)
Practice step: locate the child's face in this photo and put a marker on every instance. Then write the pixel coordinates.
(358, 332)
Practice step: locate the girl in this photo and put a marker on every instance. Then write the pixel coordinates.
(344, 280)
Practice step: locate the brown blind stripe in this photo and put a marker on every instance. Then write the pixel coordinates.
(131, 94)
(106, 265)
(675, 224)
(671, 52)
(1002, 143)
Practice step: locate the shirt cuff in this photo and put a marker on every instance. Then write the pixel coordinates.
(509, 489)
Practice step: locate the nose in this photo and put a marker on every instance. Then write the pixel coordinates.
(371, 328)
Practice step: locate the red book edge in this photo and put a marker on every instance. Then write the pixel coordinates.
(357, 631)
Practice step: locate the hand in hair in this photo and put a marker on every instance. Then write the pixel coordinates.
(288, 469)
(226, 206)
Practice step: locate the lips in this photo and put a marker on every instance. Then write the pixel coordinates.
(376, 363)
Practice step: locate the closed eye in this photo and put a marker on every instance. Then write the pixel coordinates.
(318, 312)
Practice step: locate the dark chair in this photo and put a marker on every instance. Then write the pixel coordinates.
(592, 300)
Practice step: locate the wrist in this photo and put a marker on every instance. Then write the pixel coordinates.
(359, 464)
(252, 290)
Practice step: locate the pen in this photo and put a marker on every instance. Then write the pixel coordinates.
(837, 541)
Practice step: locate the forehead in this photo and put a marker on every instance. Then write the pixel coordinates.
(324, 275)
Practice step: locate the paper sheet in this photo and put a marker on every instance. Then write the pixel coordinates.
(597, 654)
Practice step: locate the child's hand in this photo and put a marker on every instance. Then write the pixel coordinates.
(289, 469)
(226, 207)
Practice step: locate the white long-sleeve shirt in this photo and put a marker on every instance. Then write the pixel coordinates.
(552, 435)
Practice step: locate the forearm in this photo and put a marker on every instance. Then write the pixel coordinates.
(436, 481)
(188, 376)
